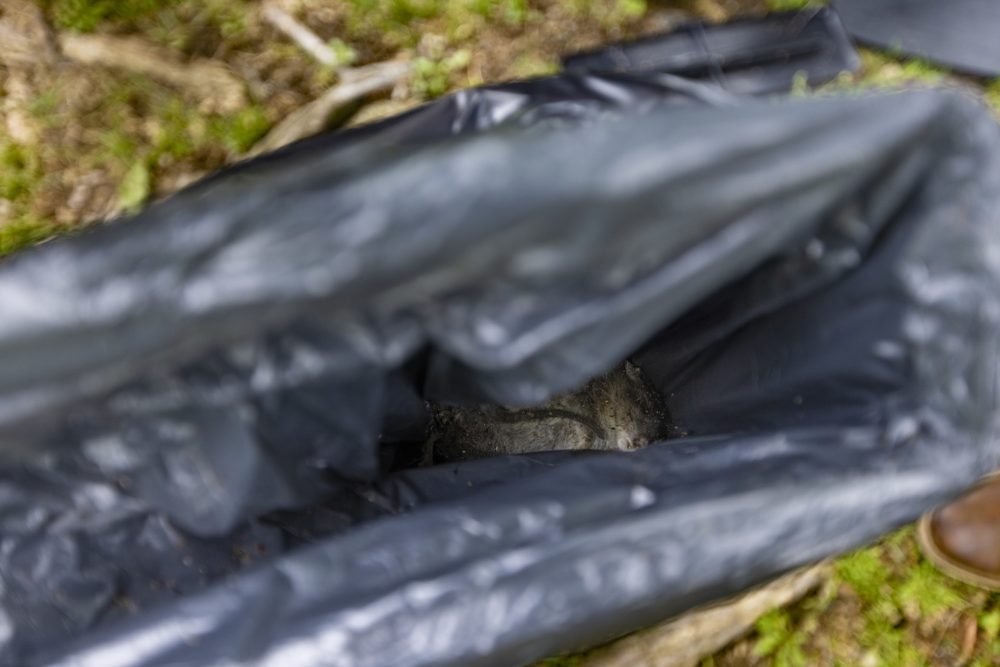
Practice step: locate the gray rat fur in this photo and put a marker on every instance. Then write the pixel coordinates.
(617, 411)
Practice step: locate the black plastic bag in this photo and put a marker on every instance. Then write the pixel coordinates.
(813, 286)
(748, 56)
(960, 34)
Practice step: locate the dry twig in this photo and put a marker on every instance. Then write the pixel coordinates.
(210, 82)
(315, 116)
(299, 33)
(25, 37)
(684, 641)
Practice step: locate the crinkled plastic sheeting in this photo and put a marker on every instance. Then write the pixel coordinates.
(813, 285)
(960, 34)
(747, 56)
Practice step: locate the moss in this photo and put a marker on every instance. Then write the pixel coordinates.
(228, 16)
(118, 146)
(779, 638)
(791, 5)
(865, 572)
(395, 23)
(184, 25)
(46, 104)
(135, 187)
(629, 10)
(883, 69)
(514, 12)
(902, 606)
(177, 122)
(433, 77)
(23, 232)
(20, 171)
(989, 623)
(343, 53)
(179, 132)
(993, 95)
(925, 592)
(239, 131)
(528, 66)
(384, 26)
(87, 15)
(610, 13)
(561, 661)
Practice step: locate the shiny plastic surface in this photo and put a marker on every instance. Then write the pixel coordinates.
(192, 400)
(959, 34)
(749, 56)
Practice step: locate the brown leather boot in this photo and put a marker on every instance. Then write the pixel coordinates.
(963, 539)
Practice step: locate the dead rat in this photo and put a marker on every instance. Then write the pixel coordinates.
(617, 411)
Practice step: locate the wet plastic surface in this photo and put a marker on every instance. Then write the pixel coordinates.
(750, 56)
(813, 285)
(961, 34)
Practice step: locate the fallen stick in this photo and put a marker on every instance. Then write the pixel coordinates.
(211, 82)
(16, 47)
(26, 43)
(300, 34)
(25, 37)
(686, 640)
(315, 116)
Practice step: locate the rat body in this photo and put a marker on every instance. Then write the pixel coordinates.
(617, 411)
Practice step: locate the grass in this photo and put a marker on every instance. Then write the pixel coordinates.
(88, 15)
(792, 5)
(23, 232)
(431, 75)
(169, 20)
(238, 132)
(134, 130)
(885, 70)
(778, 638)
(142, 136)
(403, 23)
(561, 661)
(20, 171)
(135, 187)
(883, 606)
(993, 95)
